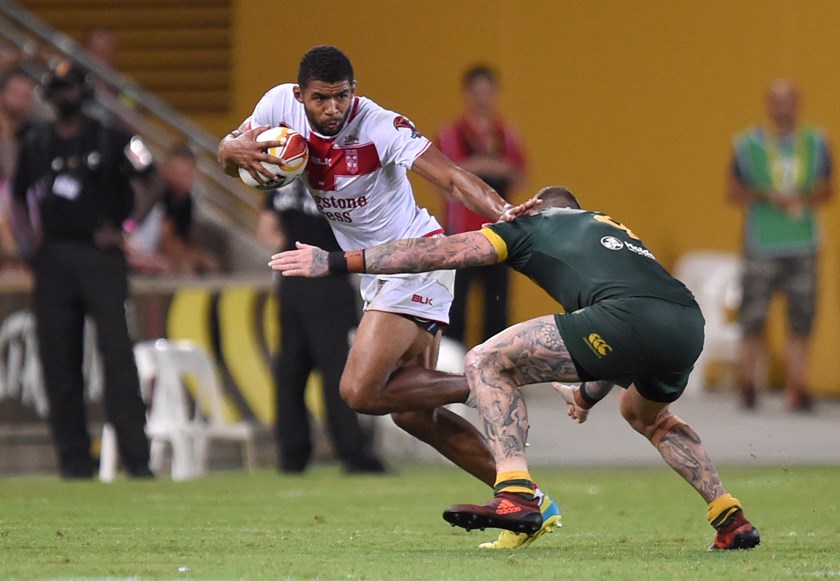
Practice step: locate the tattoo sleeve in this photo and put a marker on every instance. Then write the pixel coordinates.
(427, 254)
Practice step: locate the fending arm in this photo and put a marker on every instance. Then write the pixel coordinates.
(467, 188)
(411, 255)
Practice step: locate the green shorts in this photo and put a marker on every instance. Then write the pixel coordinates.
(648, 342)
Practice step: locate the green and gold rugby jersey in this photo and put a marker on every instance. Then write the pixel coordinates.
(581, 257)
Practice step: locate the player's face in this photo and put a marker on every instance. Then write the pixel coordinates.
(327, 104)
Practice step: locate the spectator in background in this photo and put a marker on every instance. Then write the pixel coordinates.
(17, 99)
(312, 337)
(483, 143)
(82, 177)
(103, 47)
(16, 103)
(164, 242)
(20, 107)
(779, 175)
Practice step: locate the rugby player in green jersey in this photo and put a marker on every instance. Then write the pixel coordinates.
(625, 322)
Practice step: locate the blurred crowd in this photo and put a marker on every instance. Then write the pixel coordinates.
(162, 243)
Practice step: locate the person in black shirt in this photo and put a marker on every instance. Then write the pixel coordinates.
(316, 318)
(79, 178)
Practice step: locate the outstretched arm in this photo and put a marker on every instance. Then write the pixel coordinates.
(413, 255)
(467, 188)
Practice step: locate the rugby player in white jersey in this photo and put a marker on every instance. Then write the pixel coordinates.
(357, 174)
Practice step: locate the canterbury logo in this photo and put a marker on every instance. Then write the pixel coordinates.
(507, 507)
(598, 345)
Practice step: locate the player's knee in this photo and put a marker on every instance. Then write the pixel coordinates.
(476, 361)
(471, 360)
(635, 420)
(642, 423)
(359, 397)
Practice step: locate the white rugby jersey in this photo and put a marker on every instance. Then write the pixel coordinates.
(358, 177)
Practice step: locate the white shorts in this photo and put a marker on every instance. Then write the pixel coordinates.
(426, 295)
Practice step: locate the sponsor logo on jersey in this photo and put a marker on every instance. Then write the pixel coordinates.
(612, 243)
(599, 347)
(640, 250)
(328, 205)
(401, 122)
(327, 202)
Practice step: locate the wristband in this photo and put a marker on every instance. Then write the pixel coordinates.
(587, 401)
(339, 262)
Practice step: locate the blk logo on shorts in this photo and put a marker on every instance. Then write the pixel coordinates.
(421, 299)
(599, 347)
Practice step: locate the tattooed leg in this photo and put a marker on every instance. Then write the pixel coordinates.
(676, 442)
(530, 352)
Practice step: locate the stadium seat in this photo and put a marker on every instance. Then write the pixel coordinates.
(181, 359)
(167, 421)
(715, 279)
(187, 422)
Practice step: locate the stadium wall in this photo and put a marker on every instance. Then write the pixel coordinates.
(630, 104)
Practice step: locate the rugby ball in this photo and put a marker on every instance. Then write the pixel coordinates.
(293, 153)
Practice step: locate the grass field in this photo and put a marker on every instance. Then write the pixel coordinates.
(634, 524)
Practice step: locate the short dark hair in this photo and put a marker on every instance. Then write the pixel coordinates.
(324, 63)
(477, 72)
(557, 197)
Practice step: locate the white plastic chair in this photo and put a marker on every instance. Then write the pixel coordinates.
(715, 280)
(167, 421)
(178, 360)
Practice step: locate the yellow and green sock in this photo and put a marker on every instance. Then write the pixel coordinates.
(515, 482)
(721, 509)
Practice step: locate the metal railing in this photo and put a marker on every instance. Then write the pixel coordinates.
(225, 200)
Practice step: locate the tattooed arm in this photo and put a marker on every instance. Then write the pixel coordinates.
(413, 255)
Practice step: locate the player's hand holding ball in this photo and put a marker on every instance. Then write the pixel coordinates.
(282, 157)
